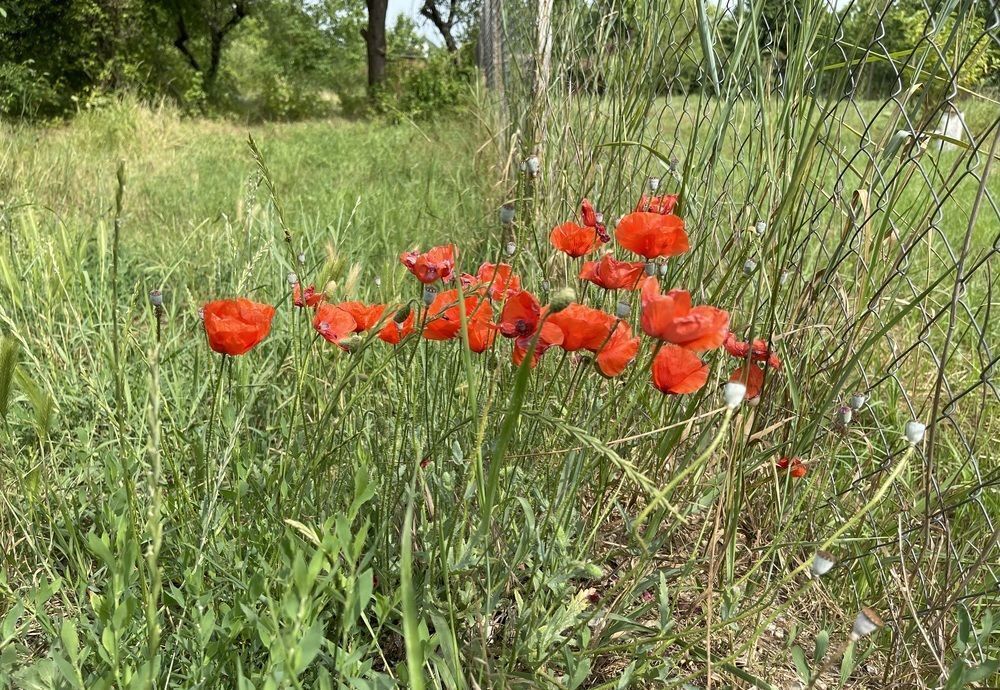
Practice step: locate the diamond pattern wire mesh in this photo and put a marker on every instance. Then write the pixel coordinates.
(827, 126)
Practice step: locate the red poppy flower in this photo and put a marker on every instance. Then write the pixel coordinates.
(794, 466)
(652, 235)
(575, 240)
(612, 274)
(308, 298)
(658, 204)
(671, 318)
(365, 316)
(618, 352)
(520, 315)
(678, 371)
(550, 336)
(482, 330)
(593, 220)
(584, 328)
(333, 323)
(434, 264)
(751, 376)
(444, 319)
(494, 280)
(394, 332)
(758, 351)
(235, 326)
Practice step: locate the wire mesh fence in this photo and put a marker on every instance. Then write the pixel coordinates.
(836, 165)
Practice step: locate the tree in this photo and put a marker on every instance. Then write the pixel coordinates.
(213, 18)
(451, 18)
(374, 35)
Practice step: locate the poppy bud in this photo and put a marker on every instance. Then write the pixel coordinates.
(857, 401)
(293, 279)
(429, 294)
(749, 267)
(734, 392)
(352, 343)
(403, 314)
(507, 214)
(302, 258)
(761, 228)
(510, 248)
(663, 269)
(914, 431)
(866, 623)
(674, 164)
(823, 561)
(622, 310)
(844, 415)
(156, 298)
(650, 268)
(654, 184)
(561, 299)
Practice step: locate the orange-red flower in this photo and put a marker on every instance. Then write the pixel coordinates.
(307, 298)
(520, 315)
(618, 352)
(678, 370)
(235, 326)
(794, 466)
(444, 319)
(584, 328)
(658, 204)
(394, 331)
(437, 263)
(758, 351)
(365, 316)
(671, 318)
(482, 330)
(751, 376)
(612, 274)
(575, 240)
(333, 323)
(550, 336)
(652, 235)
(497, 281)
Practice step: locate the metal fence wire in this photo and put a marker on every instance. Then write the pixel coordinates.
(837, 165)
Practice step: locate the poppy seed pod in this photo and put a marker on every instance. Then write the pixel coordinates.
(783, 278)
(302, 258)
(378, 281)
(622, 310)
(561, 298)
(156, 298)
(545, 286)
(293, 278)
(844, 415)
(654, 184)
(674, 164)
(734, 392)
(650, 268)
(761, 227)
(507, 214)
(532, 165)
(857, 401)
(429, 295)
(402, 315)
(749, 267)
(510, 248)
(823, 562)
(914, 431)
(663, 269)
(866, 622)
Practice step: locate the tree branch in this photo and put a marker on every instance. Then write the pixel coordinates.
(430, 11)
(181, 42)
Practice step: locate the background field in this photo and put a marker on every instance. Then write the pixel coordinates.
(303, 516)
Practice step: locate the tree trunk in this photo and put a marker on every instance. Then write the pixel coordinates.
(444, 26)
(374, 36)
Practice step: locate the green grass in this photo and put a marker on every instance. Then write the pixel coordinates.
(302, 516)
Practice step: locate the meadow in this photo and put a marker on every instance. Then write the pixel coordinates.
(418, 514)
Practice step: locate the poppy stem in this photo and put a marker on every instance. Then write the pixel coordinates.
(211, 419)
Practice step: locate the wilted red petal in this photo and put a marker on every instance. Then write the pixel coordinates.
(751, 376)
(612, 274)
(588, 214)
(794, 466)
(671, 318)
(437, 263)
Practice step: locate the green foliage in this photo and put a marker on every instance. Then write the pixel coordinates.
(426, 89)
